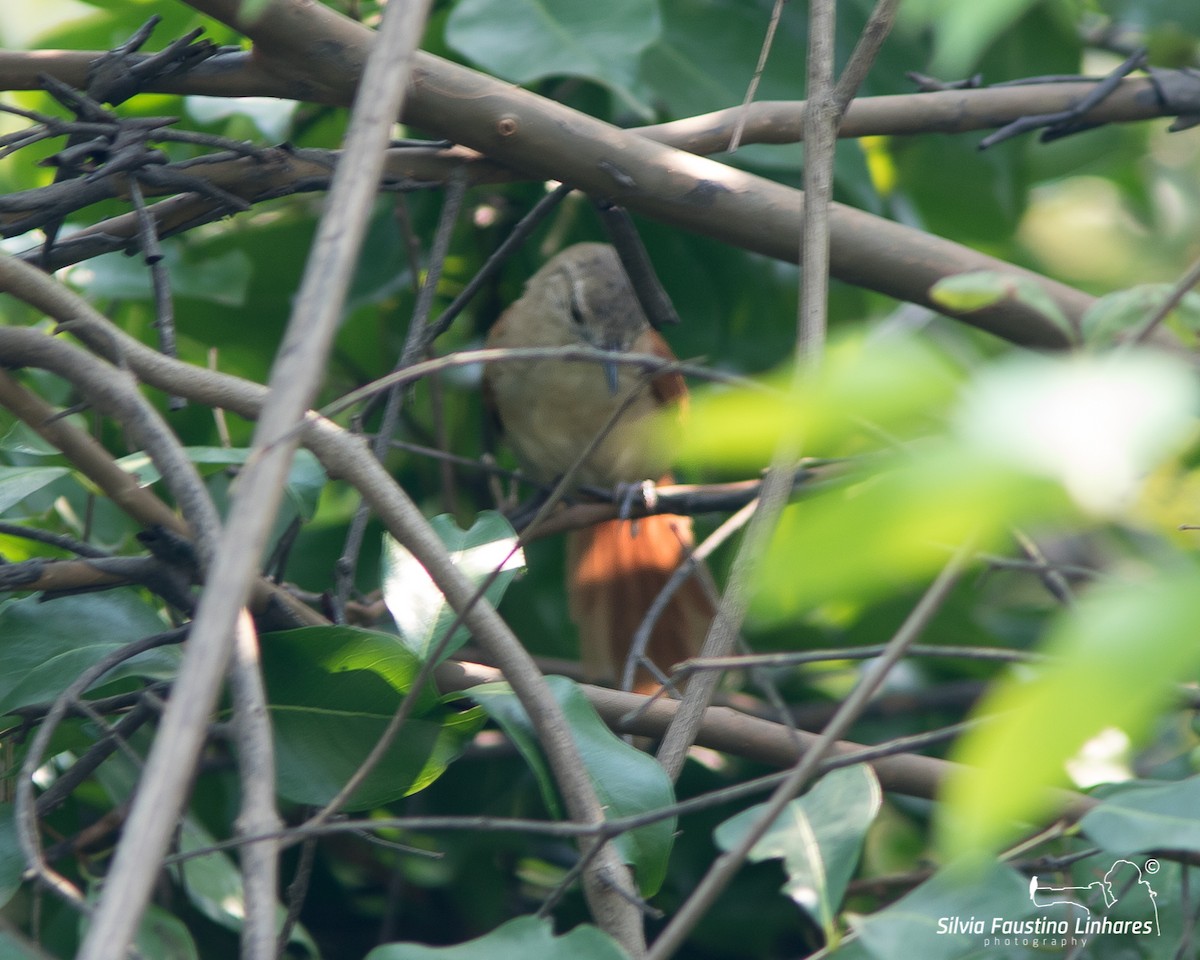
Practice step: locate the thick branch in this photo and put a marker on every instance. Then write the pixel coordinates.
(547, 140)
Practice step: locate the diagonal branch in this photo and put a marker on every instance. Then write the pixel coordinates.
(544, 139)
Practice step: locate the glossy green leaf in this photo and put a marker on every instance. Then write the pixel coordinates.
(1114, 660)
(525, 938)
(421, 612)
(527, 40)
(819, 837)
(47, 645)
(1146, 816)
(627, 780)
(331, 692)
(17, 483)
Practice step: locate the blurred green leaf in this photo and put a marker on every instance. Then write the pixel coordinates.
(419, 608)
(1140, 817)
(523, 41)
(525, 938)
(894, 525)
(47, 645)
(968, 292)
(963, 31)
(1124, 312)
(1094, 424)
(331, 692)
(627, 780)
(920, 924)
(1113, 662)
(819, 837)
(892, 386)
(221, 279)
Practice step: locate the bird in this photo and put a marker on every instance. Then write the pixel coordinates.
(552, 410)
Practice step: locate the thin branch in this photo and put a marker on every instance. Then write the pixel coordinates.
(735, 138)
(294, 381)
(256, 777)
(728, 863)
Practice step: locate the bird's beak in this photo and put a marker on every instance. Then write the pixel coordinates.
(611, 372)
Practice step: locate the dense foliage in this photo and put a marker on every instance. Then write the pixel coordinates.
(1012, 524)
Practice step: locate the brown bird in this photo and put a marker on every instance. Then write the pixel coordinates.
(552, 410)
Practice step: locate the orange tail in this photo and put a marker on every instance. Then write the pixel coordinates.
(614, 571)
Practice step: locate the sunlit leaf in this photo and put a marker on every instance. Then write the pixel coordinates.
(864, 391)
(819, 837)
(895, 525)
(627, 780)
(525, 938)
(1114, 660)
(1095, 424)
(419, 608)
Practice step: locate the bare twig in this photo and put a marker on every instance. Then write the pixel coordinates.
(728, 863)
(294, 382)
(256, 775)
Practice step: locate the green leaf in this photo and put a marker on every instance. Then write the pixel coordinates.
(1114, 661)
(12, 861)
(331, 693)
(819, 836)
(47, 645)
(920, 923)
(222, 279)
(1125, 311)
(863, 389)
(1096, 424)
(964, 293)
(161, 934)
(1140, 817)
(419, 608)
(525, 938)
(964, 31)
(903, 517)
(17, 483)
(527, 40)
(305, 480)
(627, 780)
